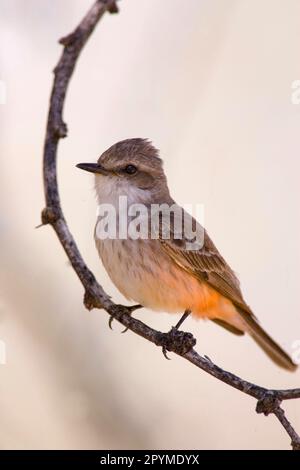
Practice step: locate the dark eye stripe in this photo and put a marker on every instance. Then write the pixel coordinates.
(130, 169)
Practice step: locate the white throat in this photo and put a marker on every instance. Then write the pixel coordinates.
(110, 188)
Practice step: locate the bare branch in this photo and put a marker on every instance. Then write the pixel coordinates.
(181, 343)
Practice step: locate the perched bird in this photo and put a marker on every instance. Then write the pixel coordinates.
(163, 273)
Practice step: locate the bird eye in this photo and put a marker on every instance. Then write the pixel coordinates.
(130, 169)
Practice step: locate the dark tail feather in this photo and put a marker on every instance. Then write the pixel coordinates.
(228, 327)
(272, 349)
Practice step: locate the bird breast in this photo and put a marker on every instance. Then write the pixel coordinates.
(143, 273)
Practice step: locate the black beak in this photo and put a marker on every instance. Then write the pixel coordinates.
(92, 168)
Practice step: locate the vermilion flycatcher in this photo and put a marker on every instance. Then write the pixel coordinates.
(163, 274)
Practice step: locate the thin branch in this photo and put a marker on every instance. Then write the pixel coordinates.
(179, 342)
(280, 414)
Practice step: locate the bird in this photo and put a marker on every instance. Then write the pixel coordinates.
(162, 273)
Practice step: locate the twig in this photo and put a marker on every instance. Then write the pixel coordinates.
(181, 343)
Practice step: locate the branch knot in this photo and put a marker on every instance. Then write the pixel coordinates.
(50, 215)
(60, 130)
(268, 404)
(113, 8)
(91, 301)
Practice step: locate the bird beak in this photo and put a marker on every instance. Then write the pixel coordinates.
(92, 168)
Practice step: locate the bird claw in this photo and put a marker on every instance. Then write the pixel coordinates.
(130, 309)
(165, 353)
(111, 319)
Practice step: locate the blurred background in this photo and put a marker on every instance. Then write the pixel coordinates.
(209, 82)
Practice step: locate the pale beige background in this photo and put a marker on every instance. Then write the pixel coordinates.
(209, 81)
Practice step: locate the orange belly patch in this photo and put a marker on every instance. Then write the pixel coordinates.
(177, 290)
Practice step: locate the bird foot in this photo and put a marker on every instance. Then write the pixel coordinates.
(177, 341)
(130, 309)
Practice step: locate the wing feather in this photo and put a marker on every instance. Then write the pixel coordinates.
(207, 265)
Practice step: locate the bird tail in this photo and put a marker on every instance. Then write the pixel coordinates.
(269, 346)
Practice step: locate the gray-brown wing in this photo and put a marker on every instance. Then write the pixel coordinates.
(206, 264)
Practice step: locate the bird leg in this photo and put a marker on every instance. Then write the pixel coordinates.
(182, 318)
(174, 337)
